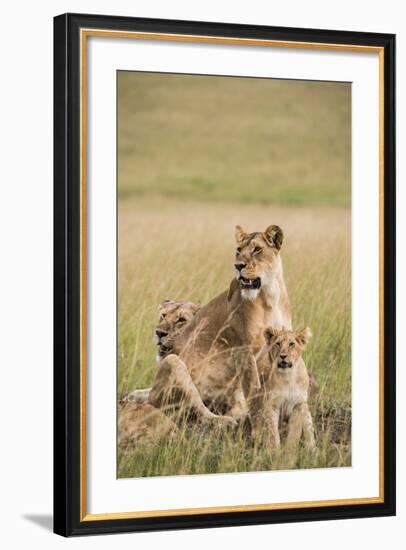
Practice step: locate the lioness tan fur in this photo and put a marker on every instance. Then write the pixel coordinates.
(213, 361)
(143, 424)
(284, 389)
(173, 318)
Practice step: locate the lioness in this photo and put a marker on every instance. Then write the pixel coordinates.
(214, 365)
(173, 317)
(143, 424)
(284, 389)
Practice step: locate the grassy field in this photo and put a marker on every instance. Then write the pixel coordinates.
(278, 154)
(187, 253)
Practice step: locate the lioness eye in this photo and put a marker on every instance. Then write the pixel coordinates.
(163, 315)
(238, 250)
(257, 250)
(278, 344)
(291, 344)
(181, 320)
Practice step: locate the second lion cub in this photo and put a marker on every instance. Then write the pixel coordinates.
(285, 388)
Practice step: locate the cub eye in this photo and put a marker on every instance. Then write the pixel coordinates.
(278, 344)
(238, 250)
(257, 250)
(181, 320)
(162, 316)
(292, 344)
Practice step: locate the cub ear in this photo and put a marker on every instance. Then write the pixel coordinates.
(240, 234)
(303, 336)
(274, 236)
(269, 333)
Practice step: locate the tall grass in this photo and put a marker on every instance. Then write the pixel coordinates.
(185, 250)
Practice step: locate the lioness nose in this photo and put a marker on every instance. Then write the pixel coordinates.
(282, 356)
(161, 333)
(239, 266)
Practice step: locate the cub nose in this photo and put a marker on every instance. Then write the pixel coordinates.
(239, 266)
(161, 333)
(283, 356)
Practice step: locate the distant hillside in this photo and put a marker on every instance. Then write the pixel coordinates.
(234, 139)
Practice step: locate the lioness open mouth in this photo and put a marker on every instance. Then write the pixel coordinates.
(284, 365)
(249, 284)
(163, 350)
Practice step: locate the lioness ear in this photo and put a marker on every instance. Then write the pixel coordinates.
(164, 304)
(269, 333)
(303, 336)
(240, 234)
(274, 236)
(195, 307)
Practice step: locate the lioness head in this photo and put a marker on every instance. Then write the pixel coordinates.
(285, 347)
(257, 257)
(173, 317)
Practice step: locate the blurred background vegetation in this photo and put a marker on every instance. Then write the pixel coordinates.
(248, 140)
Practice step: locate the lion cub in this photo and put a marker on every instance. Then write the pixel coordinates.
(173, 318)
(285, 388)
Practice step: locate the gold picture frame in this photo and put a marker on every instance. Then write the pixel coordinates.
(71, 46)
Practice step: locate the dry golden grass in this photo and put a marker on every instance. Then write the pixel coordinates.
(185, 250)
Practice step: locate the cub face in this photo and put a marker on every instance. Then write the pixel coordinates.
(285, 347)
(173, 317)
(256, 258)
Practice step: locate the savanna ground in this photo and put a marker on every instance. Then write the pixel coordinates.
(198, 155)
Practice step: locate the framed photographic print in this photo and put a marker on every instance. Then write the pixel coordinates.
(224, 274)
